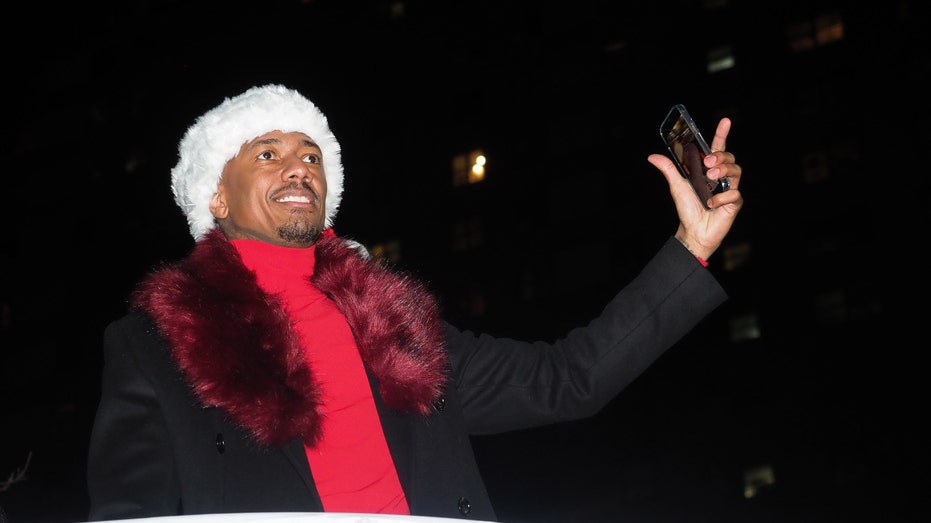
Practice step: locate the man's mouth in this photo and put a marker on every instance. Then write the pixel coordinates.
(294, 198)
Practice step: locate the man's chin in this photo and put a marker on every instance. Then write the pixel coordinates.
(300, 233)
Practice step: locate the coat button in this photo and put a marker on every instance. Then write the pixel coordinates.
(465, 507)
(440, 403)
(221, 443)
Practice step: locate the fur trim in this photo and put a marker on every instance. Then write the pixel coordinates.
(218, 134)
(236, 349)
(394, 318)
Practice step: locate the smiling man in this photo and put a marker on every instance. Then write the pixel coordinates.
(278, 368)
(273, 190)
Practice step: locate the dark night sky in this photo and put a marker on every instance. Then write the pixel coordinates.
(100, 93)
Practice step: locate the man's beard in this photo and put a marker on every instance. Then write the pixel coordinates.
(300, 229)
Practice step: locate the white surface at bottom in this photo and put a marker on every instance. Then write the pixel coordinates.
(293, 517)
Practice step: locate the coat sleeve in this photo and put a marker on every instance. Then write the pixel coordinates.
(131, 470)
(506, 384)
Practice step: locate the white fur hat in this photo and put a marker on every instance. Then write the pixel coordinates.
(215, 138)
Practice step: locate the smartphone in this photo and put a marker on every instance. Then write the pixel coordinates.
(688, 149)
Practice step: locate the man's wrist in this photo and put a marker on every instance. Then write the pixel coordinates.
(685, 244)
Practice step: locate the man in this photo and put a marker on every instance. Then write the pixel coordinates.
(279, 369)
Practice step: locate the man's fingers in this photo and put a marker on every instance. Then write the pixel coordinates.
(719, 142)
(679, 187)
(665, 165)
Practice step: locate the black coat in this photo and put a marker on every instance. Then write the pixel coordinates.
(158, 448)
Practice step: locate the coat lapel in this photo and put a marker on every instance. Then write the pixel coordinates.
(236, 349)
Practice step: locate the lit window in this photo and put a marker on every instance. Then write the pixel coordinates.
(807, 34)
(477, 171)
(829, 28)
(460, 170)
(388, 251)
(736, 256)
(745, 327)
(799, 37)
(757, 479)
(468, 168)
(720, 59)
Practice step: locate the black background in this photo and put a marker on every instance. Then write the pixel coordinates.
(565, 99)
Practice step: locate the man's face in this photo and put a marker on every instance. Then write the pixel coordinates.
(273, 190)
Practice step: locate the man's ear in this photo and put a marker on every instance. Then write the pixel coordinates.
(218, 207)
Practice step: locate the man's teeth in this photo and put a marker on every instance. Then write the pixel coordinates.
(302, 199)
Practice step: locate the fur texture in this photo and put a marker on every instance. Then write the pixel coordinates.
(236, 349)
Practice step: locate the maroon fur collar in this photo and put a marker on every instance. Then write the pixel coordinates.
(236, 349)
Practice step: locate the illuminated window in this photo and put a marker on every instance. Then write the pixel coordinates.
(720, 59)
(757, 479)
(829, 28)
(736, 256)
(396, 11)
(745, 327)
(468, 168)
(387, 251)
(807, 34)
(460, 170)
(799, 36)
(477, 168)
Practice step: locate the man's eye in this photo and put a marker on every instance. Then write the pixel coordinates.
(312, 158)
(266, 155)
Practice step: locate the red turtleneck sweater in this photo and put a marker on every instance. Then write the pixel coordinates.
(351, 466)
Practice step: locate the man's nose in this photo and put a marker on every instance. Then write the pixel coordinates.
(295, 168)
